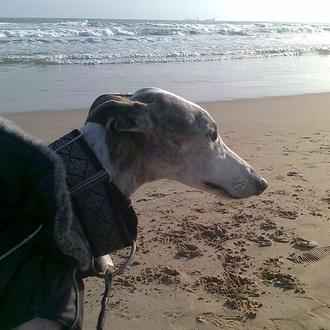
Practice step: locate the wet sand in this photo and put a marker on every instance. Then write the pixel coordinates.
(204, 262)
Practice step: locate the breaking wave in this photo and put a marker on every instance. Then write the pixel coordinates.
(156, 57)
(54, 42)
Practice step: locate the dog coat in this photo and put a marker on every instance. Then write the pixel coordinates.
(41, 243)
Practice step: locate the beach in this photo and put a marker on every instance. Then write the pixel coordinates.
(205, 262)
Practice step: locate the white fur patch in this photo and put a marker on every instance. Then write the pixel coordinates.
(95, 136)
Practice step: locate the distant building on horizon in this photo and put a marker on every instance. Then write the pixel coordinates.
(197, 19)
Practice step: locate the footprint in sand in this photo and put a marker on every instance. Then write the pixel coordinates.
(280, 236)
(219, 321)
(285, 281)
(287, 214)
(189, 251)
(261, 240)
(322, 311)
(316, 254)
(160, 275)
(296, 175)
(240, 292)
(268, 225)
(302, 243)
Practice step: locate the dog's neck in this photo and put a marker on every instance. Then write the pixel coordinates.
(95, 136)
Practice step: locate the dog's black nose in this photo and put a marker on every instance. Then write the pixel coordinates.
(262, 185)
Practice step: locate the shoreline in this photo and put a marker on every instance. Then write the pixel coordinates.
(48, 124)
(76, 86)
(201, 103)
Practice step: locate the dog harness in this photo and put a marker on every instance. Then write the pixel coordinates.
(106, 216)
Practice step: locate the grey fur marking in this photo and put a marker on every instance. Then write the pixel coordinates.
(154, 134)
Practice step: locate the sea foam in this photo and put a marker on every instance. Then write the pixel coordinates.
(55, 42)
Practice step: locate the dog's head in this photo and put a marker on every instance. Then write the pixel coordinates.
(161, 135)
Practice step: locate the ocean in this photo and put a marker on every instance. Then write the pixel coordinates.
(62, 63)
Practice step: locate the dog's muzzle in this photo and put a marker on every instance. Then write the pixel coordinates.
(105, 214)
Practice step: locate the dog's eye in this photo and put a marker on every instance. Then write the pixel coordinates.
(212, 136)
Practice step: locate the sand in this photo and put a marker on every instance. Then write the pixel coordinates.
(209, 263)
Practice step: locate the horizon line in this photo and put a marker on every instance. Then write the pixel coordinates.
(206, 20)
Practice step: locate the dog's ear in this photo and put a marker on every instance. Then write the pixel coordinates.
(107, 97)
(122, 115)
(132, 117)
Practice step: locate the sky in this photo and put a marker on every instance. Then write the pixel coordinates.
(233, 10)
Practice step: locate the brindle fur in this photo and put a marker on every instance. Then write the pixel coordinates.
(154, 134)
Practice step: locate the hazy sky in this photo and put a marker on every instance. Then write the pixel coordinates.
(262, 10)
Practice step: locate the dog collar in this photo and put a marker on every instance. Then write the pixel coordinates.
(105, 214)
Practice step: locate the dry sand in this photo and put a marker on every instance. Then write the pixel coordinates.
(209, 263)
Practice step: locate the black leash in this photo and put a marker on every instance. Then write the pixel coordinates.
(108, 276)
(105, 299)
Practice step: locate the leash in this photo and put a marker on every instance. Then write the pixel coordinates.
(105, 299)
(108, 276)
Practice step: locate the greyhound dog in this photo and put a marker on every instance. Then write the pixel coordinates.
(176, 139)
(154, 134)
